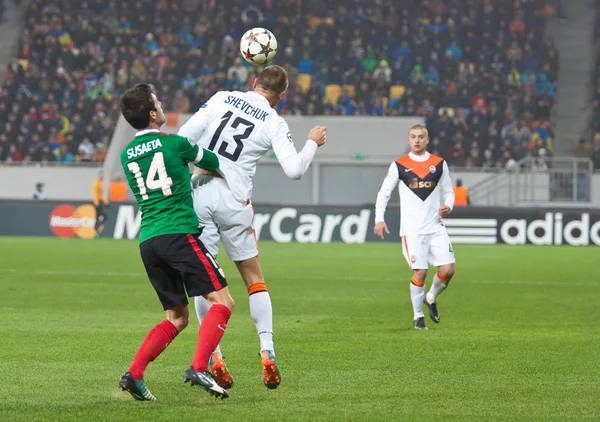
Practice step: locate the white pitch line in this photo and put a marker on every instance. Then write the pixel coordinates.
(67, 273)
(305, 277)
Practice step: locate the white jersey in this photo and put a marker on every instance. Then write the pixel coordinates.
(241, 127)
(424, 184)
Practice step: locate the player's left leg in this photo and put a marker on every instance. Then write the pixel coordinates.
(202, 275)
(239, 241)
(441, 255)
(261, 311)
(100, 220)
(205, 197)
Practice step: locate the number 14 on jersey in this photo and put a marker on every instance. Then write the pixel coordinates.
(157, 177)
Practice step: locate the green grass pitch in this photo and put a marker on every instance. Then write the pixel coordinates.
(518, 340)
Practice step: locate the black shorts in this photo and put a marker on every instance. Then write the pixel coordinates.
(179, 263)
(100, 212)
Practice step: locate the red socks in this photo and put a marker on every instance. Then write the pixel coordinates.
(157, 340)
(210, 334)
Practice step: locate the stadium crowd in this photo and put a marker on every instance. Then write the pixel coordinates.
(481, 72)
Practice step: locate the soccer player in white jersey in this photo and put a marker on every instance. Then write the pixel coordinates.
(426, 196)
(241, 127)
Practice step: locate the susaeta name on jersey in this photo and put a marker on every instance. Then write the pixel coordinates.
(283, 225)
(143, 148)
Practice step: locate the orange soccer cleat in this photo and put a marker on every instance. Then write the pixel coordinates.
(220, 372)
(272, 377)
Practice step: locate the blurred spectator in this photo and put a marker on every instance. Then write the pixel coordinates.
(562, 10)
(461, 194)
(39, 193)
(595, 120)
(118, 189)
(583, 151)
(86, 150)
(595, 156)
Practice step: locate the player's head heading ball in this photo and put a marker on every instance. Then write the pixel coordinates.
(418, 138)
(141, 108)
(272, 83)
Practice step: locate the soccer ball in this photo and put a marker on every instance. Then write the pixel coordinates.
(258, 46)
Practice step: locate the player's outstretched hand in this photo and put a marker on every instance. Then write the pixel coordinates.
(380, 228)
(444, 211)
(318, 134)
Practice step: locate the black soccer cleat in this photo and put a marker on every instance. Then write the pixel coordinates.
(137, 388)
(206, 381)
(433, 311)
(420, 324)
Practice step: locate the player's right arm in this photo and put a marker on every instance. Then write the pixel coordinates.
(294, 163)
(194, 128)
(447, 193)
(202, 158)
(383, 197)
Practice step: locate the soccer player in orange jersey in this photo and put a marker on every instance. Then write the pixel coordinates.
(426, 196)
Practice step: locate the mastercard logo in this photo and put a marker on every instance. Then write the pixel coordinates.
(70, 221)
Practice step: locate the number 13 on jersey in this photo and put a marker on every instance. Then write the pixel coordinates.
(157, 177)
(238, 138)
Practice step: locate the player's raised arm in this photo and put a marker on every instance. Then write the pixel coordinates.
(199, 122)
(383, 197)
(202, 158)
(446, 192)
(295, 163)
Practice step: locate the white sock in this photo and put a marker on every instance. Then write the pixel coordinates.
(437, 288)
(417, 293)
(202, 308)
(262, 315)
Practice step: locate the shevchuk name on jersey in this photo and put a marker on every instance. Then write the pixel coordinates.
(255, 129)
(423, 184)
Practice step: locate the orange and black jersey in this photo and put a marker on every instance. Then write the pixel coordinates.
(422, 177)
(424, 184)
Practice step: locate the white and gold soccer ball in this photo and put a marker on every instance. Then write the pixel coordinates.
(258, 46)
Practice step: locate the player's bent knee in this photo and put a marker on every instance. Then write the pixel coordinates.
(180, 322)
(228, 301)
(221, 297)
(446, 272)
(420, 275)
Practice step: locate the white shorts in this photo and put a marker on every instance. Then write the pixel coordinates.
(225, 218)
(432, 248)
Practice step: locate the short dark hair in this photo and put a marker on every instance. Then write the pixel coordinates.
(136, 105)
(273, 78)
(459, 182)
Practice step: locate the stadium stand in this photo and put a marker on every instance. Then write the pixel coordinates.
(481, 72)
